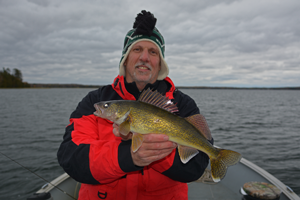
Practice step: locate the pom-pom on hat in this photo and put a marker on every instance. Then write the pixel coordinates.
(144, 30)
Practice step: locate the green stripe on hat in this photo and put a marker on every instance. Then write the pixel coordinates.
(155, 37)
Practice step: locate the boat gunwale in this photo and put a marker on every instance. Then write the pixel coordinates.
(54, 183)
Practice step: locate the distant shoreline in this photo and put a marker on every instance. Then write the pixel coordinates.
(41, 85)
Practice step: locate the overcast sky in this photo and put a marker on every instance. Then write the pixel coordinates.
(240, 43)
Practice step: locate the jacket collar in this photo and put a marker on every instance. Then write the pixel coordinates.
(129, 91)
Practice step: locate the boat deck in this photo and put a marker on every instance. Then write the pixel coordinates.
(212, 192)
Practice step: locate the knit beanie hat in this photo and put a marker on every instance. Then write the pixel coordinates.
(144, 30)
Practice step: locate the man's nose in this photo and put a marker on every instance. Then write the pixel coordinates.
(144, 56)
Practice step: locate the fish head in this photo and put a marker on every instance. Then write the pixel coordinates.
(114, 111)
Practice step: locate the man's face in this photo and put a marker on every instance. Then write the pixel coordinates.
(142, 64)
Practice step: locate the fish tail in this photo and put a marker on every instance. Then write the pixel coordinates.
(219, 164)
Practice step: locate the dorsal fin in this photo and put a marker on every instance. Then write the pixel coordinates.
(157, 99)
(200, 123)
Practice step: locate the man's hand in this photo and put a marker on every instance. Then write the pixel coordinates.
(154, 147)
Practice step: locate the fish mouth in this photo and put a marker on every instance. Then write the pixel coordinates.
(98, 111)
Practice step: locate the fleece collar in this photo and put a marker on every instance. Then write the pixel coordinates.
(165, 87)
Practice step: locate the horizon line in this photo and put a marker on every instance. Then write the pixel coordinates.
(72, 85)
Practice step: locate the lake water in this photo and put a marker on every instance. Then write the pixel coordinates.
(263, 125)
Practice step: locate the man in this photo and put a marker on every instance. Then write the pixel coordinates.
(97, 155)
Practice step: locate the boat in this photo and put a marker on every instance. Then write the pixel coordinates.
(229, 188)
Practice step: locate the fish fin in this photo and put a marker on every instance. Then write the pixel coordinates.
(157, 99)
(186, 153)
(219, 164)
(137, 140)
(124, 128)
(199, 122)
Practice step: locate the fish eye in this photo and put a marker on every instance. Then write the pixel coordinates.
(106, 105)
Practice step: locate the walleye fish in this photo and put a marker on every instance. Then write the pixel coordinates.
(154, 113)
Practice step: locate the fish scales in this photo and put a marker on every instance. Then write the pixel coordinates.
(144, 119)
(163, 122)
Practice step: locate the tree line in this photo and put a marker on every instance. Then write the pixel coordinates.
(12, 79)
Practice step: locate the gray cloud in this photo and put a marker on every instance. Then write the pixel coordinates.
(210, 43)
